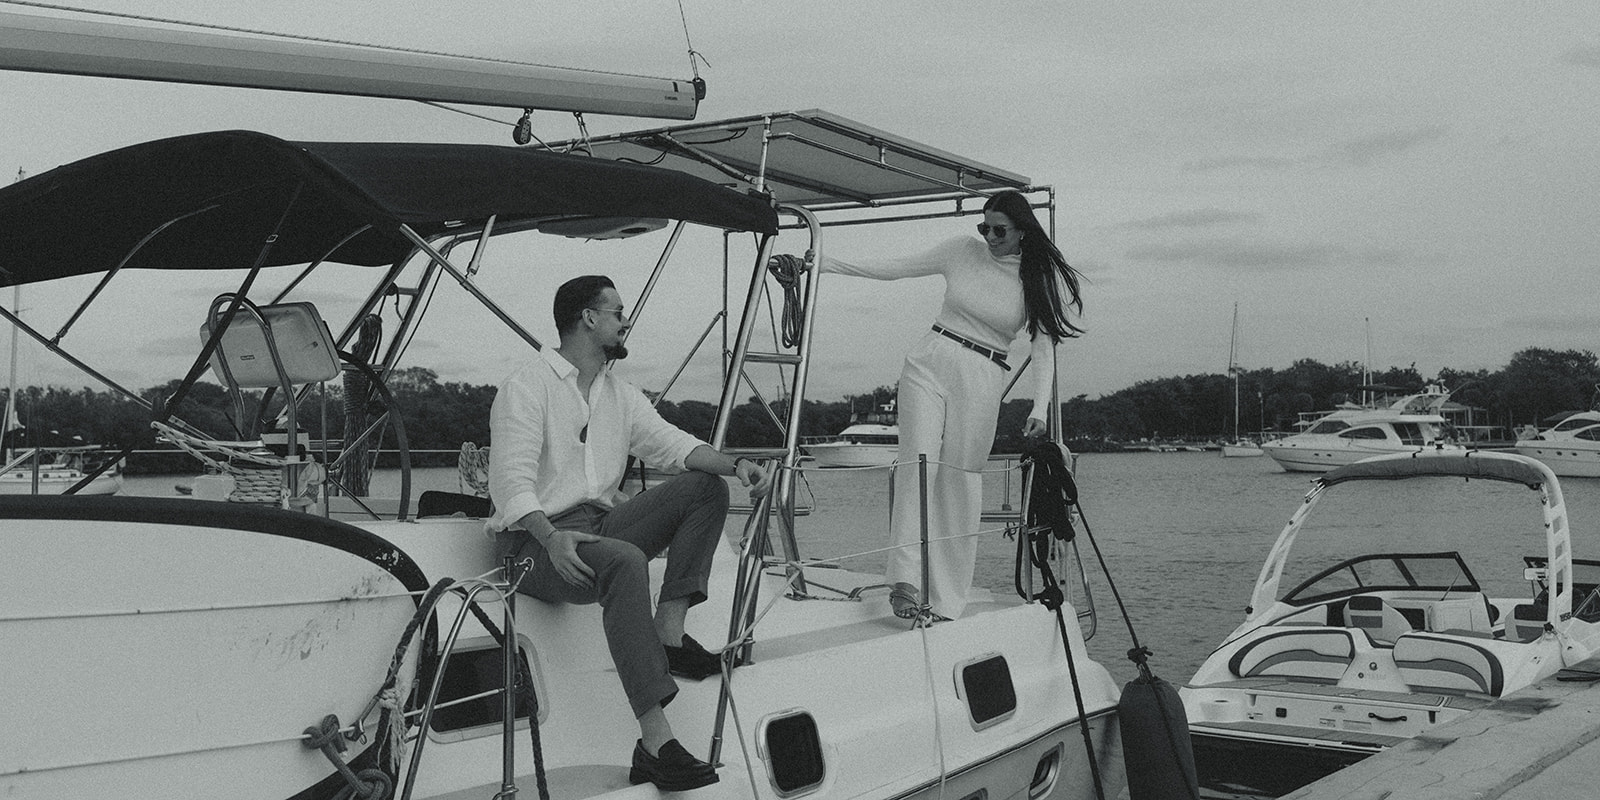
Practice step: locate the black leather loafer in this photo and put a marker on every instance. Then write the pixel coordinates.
(691, 660)
(672, 770)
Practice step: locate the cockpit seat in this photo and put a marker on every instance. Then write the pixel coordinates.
(1434, 663)
(1312, 655)
(1381, 621)
(1527, 622)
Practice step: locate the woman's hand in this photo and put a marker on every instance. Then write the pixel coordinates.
(1033, 428)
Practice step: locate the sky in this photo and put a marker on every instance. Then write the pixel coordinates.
(1414, 183)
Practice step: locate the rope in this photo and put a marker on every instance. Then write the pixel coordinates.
(786, 270)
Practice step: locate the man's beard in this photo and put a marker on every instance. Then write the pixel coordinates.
(615, 352)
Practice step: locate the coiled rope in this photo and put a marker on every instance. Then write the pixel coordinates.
(786, 270)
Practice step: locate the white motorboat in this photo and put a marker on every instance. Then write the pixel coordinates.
(1374, 648)
(1353, 432)
(269, 651)
(870, 440)
(1571, 447)
(54, 470)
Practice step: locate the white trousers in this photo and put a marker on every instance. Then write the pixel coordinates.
(949, 403)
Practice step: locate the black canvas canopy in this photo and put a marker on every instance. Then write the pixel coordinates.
(211, 200)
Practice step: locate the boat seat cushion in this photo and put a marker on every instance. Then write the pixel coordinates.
(1383, 622)
(1314, 655)
(1430, 662)
(1527, 622)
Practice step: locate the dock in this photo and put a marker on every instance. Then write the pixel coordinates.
(1539, 742)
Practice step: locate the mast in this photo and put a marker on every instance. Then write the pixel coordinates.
(1233, 368)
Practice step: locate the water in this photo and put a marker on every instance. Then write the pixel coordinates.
(1184, 535)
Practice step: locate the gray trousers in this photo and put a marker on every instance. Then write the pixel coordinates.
(682, 516)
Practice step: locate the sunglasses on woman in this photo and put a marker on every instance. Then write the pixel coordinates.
(1000, 231)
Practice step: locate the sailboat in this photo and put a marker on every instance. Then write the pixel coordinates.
(1237, 447)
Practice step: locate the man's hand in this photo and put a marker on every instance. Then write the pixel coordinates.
(1033, 428)
(562, 547)
(754, 476)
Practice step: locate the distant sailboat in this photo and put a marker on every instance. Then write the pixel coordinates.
(1237, 447)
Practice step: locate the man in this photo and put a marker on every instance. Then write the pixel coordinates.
(562, 428)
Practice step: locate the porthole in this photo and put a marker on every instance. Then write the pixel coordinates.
(986, 686)
(792, 748)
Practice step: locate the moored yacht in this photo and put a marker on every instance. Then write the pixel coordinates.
(870, 440)
(1571, 447)
(1409, 424)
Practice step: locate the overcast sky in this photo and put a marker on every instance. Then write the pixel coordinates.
(1428, 166)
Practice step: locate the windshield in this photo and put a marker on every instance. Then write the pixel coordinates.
(1439, 572)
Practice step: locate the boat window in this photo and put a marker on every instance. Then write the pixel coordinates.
(1573, 423)
(990, 695)
(475, 669)
(794, 753)
(1412, 433)
(1368, 432)
(1438, 572)
(1590, 434)
(1329, 426)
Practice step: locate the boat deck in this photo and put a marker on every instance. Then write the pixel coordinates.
(1540, 742)
(1292, 687)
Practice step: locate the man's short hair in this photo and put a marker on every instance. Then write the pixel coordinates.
(576, 295)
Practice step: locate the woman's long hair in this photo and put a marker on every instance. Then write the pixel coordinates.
(1044, 271)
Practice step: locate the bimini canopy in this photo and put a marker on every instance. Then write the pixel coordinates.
(814, 159)
(1507, 467)
(210, 200)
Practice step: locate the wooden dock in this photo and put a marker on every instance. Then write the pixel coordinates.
(1538, 743)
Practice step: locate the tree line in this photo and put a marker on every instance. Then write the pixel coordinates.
(1535, 385)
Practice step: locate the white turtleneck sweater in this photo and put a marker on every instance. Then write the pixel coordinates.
(982, 299)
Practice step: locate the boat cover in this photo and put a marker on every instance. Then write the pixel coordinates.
(221, 194)
(1490, 466)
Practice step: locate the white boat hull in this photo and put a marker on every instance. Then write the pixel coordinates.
(1294, 457)
(853, 455)
(1569, 459)
(21, 481)
(202, 655)
(196, 651)
(1241, 451)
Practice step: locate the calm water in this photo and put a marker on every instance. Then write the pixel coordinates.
(1184, 535)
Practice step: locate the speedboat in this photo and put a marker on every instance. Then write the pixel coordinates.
(1374, 648)
(870, 440)
(298, 643)
(1353, 432)
(1571, 448)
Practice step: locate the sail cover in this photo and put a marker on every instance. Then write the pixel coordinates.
(211, 200)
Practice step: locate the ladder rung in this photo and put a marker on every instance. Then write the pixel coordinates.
(772, 358)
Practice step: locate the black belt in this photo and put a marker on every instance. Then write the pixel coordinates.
(993, 355)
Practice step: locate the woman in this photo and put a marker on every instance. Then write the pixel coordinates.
(1014, 280)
